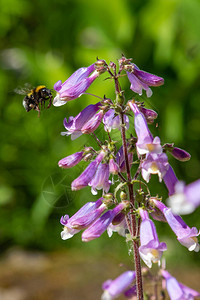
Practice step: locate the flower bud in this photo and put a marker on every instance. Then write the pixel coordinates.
(123, 195)
(101, 66)
(149, 114)
(177, 153)
(88, 157)
(124, 61)
(71, 160)
(120, 98)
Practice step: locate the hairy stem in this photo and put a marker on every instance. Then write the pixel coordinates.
(132, 222)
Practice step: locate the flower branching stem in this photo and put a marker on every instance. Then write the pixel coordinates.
(96, 139)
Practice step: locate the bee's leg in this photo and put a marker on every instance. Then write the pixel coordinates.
(41, 105)
(38, 110)
(50, 101)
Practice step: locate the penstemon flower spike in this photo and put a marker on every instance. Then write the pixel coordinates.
(124, 168)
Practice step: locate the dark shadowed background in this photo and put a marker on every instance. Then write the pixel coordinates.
(45, 41)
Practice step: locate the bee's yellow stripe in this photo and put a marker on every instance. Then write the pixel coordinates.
(39, 87)
(30, 93)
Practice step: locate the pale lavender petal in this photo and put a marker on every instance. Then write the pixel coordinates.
(112, 121)
(87, 174)
(137, 85)
(113, 288)
(155, 164)
(177, 290)
(185, 235)
(77, 76)
(78, 89)
(192, 193)
(101, 179)
(99, 226)
(93, 123)
(68, 230)
(75, 85)
(86, 220)
(75, 124)
(58, 85)
(113, 167)
(141, 128)
(170, 180)
(150, 248)
(148, 78)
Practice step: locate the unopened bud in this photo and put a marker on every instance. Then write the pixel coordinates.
(88, 149)
(88, 157)
(108, 197)
(123, 195)
(120, 98)
(139, 196)
(112, 65)
(101, 66)
(124, 61)
(177, 153)
(149, 114)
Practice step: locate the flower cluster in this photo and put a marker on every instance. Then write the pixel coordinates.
(125, 204)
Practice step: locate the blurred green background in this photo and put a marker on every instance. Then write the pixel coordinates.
(45, 41)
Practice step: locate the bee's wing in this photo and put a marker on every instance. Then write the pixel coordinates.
(24, 90)
(20, 91)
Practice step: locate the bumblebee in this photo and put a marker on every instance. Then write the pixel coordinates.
(36, 97)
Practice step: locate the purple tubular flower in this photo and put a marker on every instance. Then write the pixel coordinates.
(142, 80)
(120, 160)
(75, 85)
(99, 226)
(88, 219)
(100, 179)
(75, 124)
(131, 292)
(186, 198)
(88, 173)
(118, 225)
(186, 236)
(148, 78)
(93, 123)
(170, 180)
(155, 164)
(66, 221)
(177, 290)
(113, 288)
(145, 142)
(137, 85)
(112, 121)
(151, 249)
(71, 160)
(113, 167)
